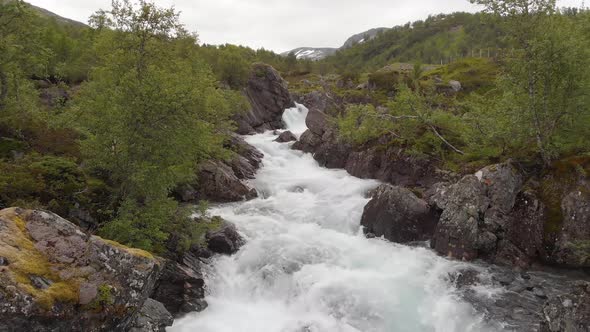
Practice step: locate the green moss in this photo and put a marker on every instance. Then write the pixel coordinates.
(133, 251)
(104, 299)
(27, 261)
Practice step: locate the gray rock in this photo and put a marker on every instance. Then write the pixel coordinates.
(219, 183)
(455, 85)
(181, 287)
(152, 317)
(573, 244)
(568, 312)
(225, 241)
(398, 215)
(480, 217)
(269, 96)
(76, 262)
(286, 137)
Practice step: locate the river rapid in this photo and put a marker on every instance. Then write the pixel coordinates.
(306, 266)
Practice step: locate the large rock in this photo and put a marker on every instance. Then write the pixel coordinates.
(481, 218)
(152, 317)
(573, 245)
(286, 137)
(269, 96)
(181, 288)
(218, 182)
(398, 215)
(246, 160)
(568, 312)
(226, 240)
(61, 279)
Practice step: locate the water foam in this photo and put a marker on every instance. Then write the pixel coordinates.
(307, 267)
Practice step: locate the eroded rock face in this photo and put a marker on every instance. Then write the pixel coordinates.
(486, 215)
(226, 240)
(269, 97)
(223, 180)
(219, 183)
(152, 317)
(61, 279)
(398, 215)
(568, 312)
(573, 245)
(181, 288)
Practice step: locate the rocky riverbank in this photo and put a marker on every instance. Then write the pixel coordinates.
(501, 214)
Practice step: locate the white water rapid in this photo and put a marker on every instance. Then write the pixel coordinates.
(307, 267)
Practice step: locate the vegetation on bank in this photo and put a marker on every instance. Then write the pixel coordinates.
(100, 123)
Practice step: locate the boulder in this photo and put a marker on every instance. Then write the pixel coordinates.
(480, 217)
(181, 288)
(226, 240)
(568, 312)
(317, 122)
(398, 215)
(269, 96)
(61, 279)
(573, 244)
(219, 183)
(247, 159)
(286, 137)
(152, 317)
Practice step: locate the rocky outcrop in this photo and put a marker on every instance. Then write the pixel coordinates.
(181, 288)
(373, 160)
(286, 137)
(398, 215)
(269, 96)
(486, 215)
(573, 244)
(568, 312)
(218, 182)
(56, 278)
(223, 180)
(152, 317)
(225, 241)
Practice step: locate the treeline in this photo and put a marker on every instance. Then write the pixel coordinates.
(100, 123)
(534, 107)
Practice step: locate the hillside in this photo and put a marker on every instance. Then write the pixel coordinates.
(437, 39)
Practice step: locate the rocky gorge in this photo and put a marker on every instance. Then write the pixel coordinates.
(56, 277)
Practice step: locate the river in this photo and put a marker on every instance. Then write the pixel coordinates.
(307, 267)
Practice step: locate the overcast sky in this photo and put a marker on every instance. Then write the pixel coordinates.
(282, 25)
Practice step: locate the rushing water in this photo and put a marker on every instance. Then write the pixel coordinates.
(307, 267)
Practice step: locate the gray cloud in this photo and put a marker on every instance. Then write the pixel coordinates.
(282, 25)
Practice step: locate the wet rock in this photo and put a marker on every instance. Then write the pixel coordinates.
(225, 241)
(502, 296)
(63, 266)
(317, 122)
(152, 317)
(568, 312)
(269, 96)
(181, 288)
(398, 215)
(247, 160)
(286, 137)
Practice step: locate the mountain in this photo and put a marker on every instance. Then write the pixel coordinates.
(363, 37)
(311, 53)
(46, 13)
(314, 53)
